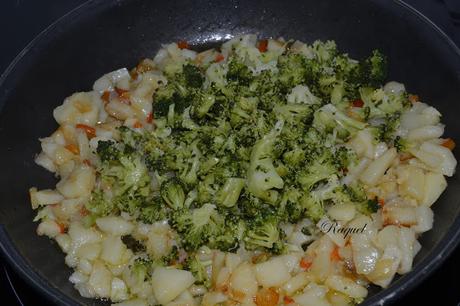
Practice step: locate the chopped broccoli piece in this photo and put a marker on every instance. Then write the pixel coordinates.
(193, 76)
(172, 193)
(199, 270)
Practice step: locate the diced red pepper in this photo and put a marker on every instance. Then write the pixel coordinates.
(124, 95)
(413, 99)
(72, 148)
(150, 118)
(263, 45)
(182, 44)
(449, 143)
(137, 125)
(219, 58)
(106, 96)
(62, 227)
(305, 263)
(90, 131)
(287, 300)
(335, 256)
(358, 103)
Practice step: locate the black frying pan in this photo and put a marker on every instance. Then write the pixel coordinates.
(101, 36)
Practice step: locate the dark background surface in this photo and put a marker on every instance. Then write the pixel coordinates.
(22, 20)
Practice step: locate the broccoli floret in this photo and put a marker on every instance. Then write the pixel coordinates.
(375, 67)
(193, 76)
(386, 131)
(202, 104)
(239, 72)
(199, 270)
(319, 170)
(228, 195)
(153, 211)
(293, 70)
(171, 258)
(262, 176)
(140, 271)
(99, 205)
(328, 118)
(172, 193)
(314, 207)
(290, 202)
(196, 226)
(107, 150)
(229, 237)
(265, 235)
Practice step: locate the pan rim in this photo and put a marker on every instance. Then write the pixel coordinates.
(397, 290)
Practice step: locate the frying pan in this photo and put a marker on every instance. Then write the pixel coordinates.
(101, 36)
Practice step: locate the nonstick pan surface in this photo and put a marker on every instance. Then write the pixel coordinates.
(101, 36)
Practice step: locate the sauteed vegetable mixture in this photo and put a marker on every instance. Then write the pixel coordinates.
(263, 172)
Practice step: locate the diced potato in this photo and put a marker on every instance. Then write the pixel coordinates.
(43, 160)
(435, 183)
(101, 280)
(243, 282)
(134, 302)
(66, 168)
(406, 243)
(437, 157)
(272, 273)
(218, 262)
(338, 299)
(85, 266)
(292, 260)
(158, 243)
(426, 132)
(413, 183)
(81, 235)
(64, 241)
(386, 267)
(342, 212)
(83, 145)
(78, 108)
(114, 225)
(222, 277)
(62, 155)
(232, 261)
(424, 219)
(362, 144)
(119, 110)
(213, 298)
(346, 286)
(169, 283)
(89, 250)
(78, 184)
(44, 197)
(364, 253)
(297, 282)
(49, 228)
(184, 299)
(78, 278)
(377, 168)
(313, 295)
(112, 250)
(119, 291)
(399, 215)
(321, 266)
